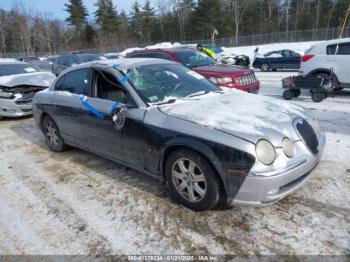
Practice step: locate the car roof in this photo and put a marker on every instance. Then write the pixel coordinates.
(167, 50)
(10, 62)
(121, 64)
(335, 41)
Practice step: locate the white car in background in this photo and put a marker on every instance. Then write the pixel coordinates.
(321, 58)
(19, 82)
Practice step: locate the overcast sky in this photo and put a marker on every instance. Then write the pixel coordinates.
(55, 7)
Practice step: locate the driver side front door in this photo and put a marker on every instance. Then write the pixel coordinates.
(126, 145)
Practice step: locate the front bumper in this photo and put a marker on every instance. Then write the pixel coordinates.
(270, 187)
(9, 108)
(250, 88)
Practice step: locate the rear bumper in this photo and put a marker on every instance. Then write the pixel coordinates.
(8, 108)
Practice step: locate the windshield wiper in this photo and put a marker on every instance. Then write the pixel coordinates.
(201, 93)
(170, 101)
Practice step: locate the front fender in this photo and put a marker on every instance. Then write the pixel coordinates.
(231, 165)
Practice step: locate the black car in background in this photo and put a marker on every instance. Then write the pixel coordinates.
(70, 59)
(282, 59)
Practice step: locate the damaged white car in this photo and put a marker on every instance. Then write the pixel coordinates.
(19, 82)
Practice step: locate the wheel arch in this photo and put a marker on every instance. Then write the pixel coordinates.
(200, 149)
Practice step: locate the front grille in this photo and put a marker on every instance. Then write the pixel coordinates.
(308, 135)
(246, 80)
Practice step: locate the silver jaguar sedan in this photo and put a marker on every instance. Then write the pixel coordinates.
(209, 146)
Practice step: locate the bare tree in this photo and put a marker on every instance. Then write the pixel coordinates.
(239, 8)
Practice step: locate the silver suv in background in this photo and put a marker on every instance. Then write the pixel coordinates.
(320, 59)
(71, 59)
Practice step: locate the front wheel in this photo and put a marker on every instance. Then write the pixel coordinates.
(52, 135)
(191, 181)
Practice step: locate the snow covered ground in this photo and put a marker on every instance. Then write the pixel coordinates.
(77, 203)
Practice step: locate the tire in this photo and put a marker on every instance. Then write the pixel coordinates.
(296, 92)
(318, 97)
(52, 135)
(327, 76)
(265, 67)
(206, 192)
(288, 94)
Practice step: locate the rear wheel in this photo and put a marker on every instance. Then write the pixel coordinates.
(326, 77)
(192, 182)
(52, 135)
(265, 67)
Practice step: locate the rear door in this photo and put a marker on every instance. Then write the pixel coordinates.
(68, 109)
(340, 61)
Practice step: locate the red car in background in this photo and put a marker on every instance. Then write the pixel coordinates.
(228, 76)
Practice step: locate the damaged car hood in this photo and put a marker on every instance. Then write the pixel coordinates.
(43, 79)
(244, 115)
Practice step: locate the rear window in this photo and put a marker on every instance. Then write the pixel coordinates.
(16, 69)
(343, 49)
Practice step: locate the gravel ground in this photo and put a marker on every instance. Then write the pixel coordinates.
(78, 203)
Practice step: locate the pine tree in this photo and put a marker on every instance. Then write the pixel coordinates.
(107, 17)
(148, 21)
(77, 14)
(136, 19)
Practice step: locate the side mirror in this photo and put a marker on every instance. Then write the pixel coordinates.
(119, 117)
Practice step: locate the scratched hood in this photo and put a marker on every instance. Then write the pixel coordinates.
(248, 116)
(43, 79)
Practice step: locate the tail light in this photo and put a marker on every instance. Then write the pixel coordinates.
(306, 58)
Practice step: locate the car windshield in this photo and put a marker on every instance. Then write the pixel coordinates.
(194, 58)
(164, 82)
(90, 57)
(15, 69)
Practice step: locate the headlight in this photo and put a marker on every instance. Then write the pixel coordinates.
(265, 152)
(223, 80)
(6, 95)
(288, 147)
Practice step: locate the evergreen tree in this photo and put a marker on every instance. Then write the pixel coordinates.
(107, 17)
(148, 21)
(77, 14)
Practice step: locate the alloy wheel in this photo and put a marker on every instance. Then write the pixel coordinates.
(51, 133)
(189, 180)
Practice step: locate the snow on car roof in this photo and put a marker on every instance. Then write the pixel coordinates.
(125, 63)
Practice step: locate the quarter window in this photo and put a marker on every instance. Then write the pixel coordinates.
(76, 82)
(344, 49)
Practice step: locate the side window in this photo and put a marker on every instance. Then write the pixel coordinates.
(344, 49)
(65, 60)
(108, 87)
(76, 82)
